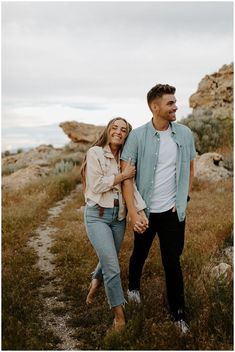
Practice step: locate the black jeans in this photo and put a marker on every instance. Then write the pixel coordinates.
(171, 237)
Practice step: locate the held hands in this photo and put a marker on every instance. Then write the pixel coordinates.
(129, 170)
(140, 222)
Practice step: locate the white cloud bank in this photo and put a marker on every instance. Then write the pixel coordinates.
(90, 61)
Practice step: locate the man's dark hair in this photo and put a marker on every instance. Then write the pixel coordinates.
(158, 91)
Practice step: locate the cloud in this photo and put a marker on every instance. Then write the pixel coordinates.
(29, 137)
(93, 60)
(92, 48)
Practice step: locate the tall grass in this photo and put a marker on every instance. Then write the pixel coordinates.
(22, 212)
(209, 304)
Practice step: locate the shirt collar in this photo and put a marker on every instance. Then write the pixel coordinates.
(107, 151)
(154, 131)
(173, 130)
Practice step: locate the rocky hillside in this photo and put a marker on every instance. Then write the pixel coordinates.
(20, 169)
(212, 117)
(81, 133)
(211, 123)
(215, 94)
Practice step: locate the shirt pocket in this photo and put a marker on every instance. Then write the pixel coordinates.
(105, 165)
(108, 168)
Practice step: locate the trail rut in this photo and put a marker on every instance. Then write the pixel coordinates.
(55, 315)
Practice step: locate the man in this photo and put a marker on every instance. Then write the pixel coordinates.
(163, 153)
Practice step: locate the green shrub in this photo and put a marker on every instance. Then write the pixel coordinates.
(63, 166)
(8, 169)
(210, 133)
(6, 153)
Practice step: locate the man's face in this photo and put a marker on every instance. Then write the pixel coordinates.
(165, 107)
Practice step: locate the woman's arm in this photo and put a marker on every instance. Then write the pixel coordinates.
(97, 180)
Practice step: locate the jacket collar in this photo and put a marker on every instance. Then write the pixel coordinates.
(108, 153)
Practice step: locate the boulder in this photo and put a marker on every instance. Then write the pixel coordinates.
(222, 271)
(22, 177)
(81, 133)
(228, 254)
(209, 167)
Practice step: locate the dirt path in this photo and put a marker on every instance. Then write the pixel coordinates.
(55, 314)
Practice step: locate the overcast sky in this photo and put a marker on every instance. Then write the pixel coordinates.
(91, 61)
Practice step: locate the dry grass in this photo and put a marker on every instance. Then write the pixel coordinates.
(23, 211)
(209, 226)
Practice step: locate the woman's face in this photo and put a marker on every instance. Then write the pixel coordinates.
(118, 133)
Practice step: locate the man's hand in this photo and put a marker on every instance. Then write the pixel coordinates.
(139, 221)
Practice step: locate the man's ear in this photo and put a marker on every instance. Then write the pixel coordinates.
(154, 106)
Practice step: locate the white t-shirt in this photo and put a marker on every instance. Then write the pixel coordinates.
(164, 189)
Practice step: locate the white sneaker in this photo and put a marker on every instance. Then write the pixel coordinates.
(134, 296)
(183, 326)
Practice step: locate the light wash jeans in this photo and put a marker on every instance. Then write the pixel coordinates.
(106, 235)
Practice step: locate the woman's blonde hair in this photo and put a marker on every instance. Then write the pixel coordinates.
(101, 142)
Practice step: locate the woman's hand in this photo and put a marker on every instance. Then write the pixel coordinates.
(141, 223)
(129, 170)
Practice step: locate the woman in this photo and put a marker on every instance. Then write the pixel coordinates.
(105, 211)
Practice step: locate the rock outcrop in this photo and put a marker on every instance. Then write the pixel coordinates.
(212, 118)
(81, 133)
(222, 271)
(209, 167)
(215, 94)
(22, 168)
(42, 155)
(228, 255)
(22, 177)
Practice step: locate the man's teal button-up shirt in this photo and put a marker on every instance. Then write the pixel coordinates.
(142, 146)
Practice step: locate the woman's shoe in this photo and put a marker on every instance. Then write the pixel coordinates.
(94, 285)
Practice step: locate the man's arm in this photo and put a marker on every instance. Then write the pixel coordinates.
(139, 222)
(191, 176)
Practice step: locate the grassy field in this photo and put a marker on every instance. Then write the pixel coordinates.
(209, 303)
(209, 226)
(22, 212)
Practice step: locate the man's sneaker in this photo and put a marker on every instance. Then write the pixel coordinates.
(134, 296)
(183, 326)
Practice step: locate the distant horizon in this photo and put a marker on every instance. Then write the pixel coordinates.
(60, 141)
